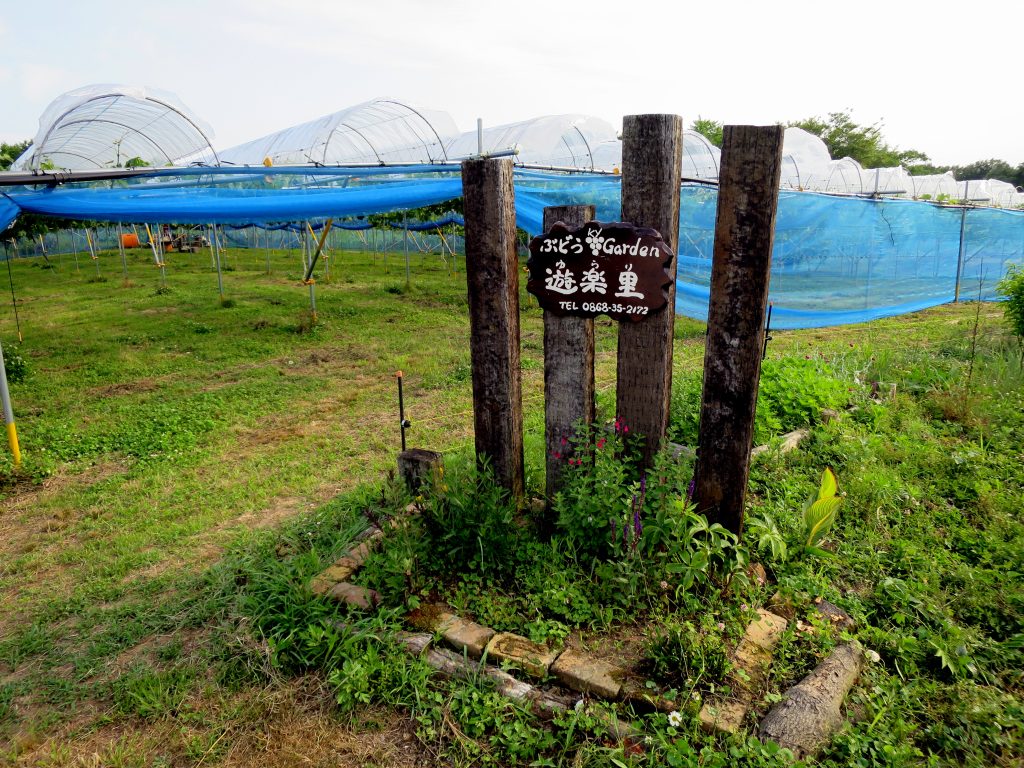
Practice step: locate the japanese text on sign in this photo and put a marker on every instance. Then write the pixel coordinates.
(613, 269)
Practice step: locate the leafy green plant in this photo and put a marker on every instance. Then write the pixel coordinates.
(15, 364)
(151, 694)
(820, 513)
(470, 524)
(1012, 287)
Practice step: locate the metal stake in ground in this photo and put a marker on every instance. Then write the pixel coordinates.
(215, 245)
(403, 422)
(568, 368)
(120, 247)
(748, 194)
(308, 279)
(14, 301)
(405, 229)
(5, 396)
(92, 251)
(652, 147)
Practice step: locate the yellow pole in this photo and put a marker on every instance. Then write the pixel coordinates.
(5, 397)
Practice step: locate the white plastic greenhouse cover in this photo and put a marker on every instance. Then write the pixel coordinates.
(561, 141)
(104, 126)
(933, 185)
(380, 131)
(805, 160)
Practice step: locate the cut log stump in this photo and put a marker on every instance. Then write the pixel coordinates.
(811, 712)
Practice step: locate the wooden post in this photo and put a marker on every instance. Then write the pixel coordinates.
(652, 147)
(748, 194)
(419, 467)
(568, 367)
(492, 274)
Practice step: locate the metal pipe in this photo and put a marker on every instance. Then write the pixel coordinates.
(405, 228)
(5, 396)
(14, 301)
(215, 244)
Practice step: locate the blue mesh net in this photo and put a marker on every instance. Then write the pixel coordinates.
(836, 260)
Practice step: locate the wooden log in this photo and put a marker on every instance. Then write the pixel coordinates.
(492, 274)
(455, 665)
(568, 368)
(652, 147)
(748, 193)
(812, 711)
(419, 467)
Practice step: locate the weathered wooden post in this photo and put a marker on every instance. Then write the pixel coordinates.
(652, 147)
(492, 274)
(748, 193)
(568, 367)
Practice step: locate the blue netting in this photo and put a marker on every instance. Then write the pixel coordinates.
(836, 259)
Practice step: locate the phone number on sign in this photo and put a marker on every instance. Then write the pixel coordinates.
(621, 309)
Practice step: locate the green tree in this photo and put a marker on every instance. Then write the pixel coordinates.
(991, 169)
(864, 143)
(11, 152)
(709, 129)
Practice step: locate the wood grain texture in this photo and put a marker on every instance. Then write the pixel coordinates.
(492, 275)
(652, 147)
(568, 368)
(748, 195)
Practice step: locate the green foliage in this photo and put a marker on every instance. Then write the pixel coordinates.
(1012, 287)
(685, 658)
(15, 364)
(820, 512)
(11, 152)
(709, 129)
(792, 394)
(864, 143)
(151, 694)
(470, 523)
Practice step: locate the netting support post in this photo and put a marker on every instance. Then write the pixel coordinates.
(120, 247)
(748, 195)
(215, 244)
(568, 369)
(652, 147)
(5, 397)
(492, 276)
(962, 250)
(405, 229)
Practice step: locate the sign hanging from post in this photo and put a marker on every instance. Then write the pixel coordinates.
(616, 269)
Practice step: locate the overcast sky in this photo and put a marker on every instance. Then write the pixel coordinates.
(942, 77)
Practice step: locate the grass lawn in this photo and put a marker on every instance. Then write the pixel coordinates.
(189, 465)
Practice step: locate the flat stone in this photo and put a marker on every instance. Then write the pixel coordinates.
(321, 586)
(354, 595)
(359, 554)
(789, 443)
(430, 617)
(588, 674)
(765, 630)
(464, 635)
(340, 571)
(724, 716)
(531, 657)
(750, 666)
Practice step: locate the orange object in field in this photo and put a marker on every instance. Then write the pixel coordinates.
(130, 240)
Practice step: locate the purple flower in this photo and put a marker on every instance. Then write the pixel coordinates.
(689, 490)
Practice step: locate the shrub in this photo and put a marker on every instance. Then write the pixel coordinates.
(1012, 287)
(15, 364)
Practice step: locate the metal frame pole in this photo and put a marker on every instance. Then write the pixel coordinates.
(5, 396)
(215, 244)
(405, 227)
(960, 254)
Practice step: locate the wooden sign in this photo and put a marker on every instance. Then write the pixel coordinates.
(617, 270)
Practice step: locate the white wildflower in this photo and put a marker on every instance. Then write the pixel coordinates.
(675, 719)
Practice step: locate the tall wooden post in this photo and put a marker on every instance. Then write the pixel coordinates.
(492, 274)
(568, 367)
(652, 147)
(748, 194)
